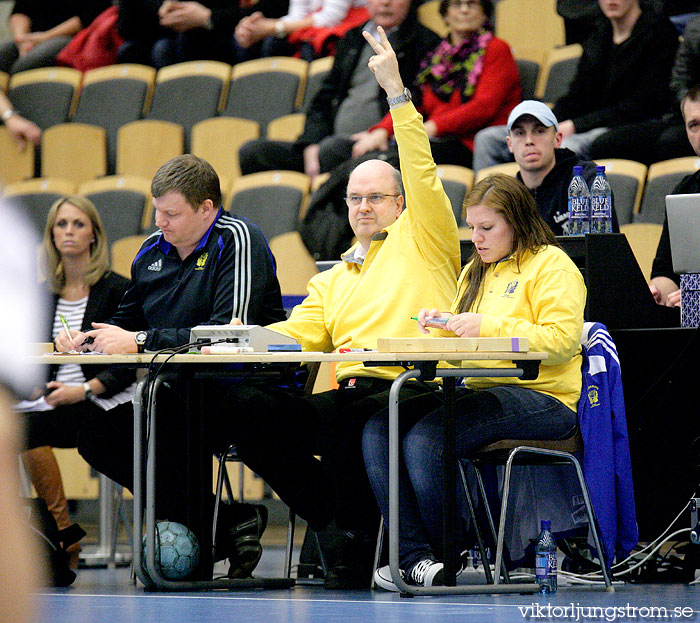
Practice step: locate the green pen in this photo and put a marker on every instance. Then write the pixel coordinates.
(439, 320)
(65, 326)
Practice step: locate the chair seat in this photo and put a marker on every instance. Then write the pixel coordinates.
(571, 444)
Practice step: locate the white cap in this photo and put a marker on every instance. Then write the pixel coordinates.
(538, 110)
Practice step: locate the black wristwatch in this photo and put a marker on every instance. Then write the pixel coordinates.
(88, 392)
(141, 340)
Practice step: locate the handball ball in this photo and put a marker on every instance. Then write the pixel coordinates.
(177, 550)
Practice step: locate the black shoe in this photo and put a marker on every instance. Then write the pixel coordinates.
(353, 566)
(241, 541)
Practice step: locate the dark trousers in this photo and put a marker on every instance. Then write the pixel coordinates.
(60, 427)
(646, 142)
(264, 155)
(481, 417)
(108, 443)
(279, 437)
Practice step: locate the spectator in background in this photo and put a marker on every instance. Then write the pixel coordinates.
(664, 282)
(163, 33)
(311, 28)
(468, 82)
(622, 77)
(544, 167)
(83, 290)
(659, 139)
(349, 100)
(22, 130)
(579, 18)
(42, 28)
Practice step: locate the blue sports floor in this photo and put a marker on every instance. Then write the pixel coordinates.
(107, 596)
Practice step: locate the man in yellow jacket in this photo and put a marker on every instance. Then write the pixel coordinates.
(406, 254)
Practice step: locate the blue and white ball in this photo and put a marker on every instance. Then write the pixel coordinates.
(177, 550)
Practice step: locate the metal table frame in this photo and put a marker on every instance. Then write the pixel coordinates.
(426, 371)
(422, 366)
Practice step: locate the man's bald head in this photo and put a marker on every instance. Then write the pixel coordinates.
(375, 198)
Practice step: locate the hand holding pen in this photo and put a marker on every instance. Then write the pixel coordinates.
(432, 318)
(68, 341)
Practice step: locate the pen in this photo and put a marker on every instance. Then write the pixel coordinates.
(438, 320)
(354, 350)
(65, 326)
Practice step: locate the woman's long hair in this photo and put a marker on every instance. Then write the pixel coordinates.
(99, 255)
(513, 200)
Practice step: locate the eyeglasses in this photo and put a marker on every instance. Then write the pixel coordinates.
(466, 4)
(374, 199)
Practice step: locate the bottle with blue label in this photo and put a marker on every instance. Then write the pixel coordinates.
(579, 204)
(546, 560)
(601, 203)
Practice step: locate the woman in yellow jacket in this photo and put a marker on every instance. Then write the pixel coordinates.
(518, 283)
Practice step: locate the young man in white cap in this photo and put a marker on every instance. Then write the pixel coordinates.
(622, 77)
(544, 167)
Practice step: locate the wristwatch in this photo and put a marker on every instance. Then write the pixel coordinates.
(399, 99)
(140, 339)
(280, 29)
(9, 113)
(88, 392)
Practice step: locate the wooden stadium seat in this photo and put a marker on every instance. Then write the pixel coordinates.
(318, 69)
(507, 168)
(74, 151)
(124, 203)
(124, 251)
(531, 27)
(36, 196)
(558, 70)
(266, 88)
(16, 163)
(643, 239)
(456, 181)
(144, 145)
(113, 96)
(662, 178)
(273, 200)
(186, 93)
(627, 179)
(318, 181)
(429, 16)
(46, 96)
(217, 140)
(287, 128)
(295, 266)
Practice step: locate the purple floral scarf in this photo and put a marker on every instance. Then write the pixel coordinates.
(449, 67)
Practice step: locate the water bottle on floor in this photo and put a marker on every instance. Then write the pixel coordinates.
(546, 560)
(601, 203)
(579, 204)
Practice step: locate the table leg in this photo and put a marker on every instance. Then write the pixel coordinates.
(150, 576)
(394, 445)
(449, 468)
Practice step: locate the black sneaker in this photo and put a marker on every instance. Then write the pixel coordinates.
(241, 541)
(353, 566)
(425, 572)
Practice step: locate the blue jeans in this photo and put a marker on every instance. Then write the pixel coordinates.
(483, 416)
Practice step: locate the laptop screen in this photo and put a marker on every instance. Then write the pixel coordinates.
(683, 214)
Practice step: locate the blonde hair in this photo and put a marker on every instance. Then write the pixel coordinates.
(99, 255)
(510, 198)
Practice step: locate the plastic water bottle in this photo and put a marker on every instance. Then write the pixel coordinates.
(601, 203)
(546, 560)
(579, 204)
